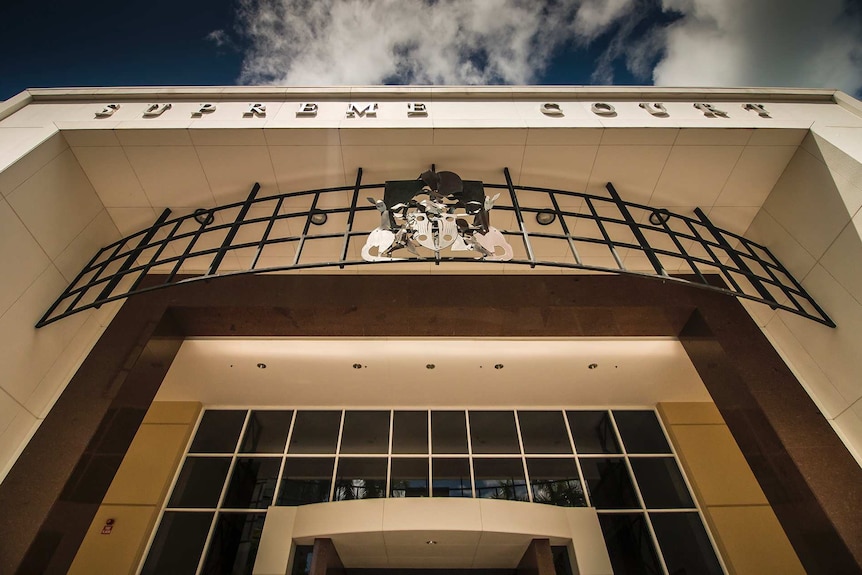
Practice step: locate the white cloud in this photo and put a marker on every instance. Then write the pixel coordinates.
(762, 43)
(433, 42)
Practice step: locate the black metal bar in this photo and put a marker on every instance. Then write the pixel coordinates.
(716, 233)
(305, 229)
(641, 239)
(187, 251)
(827, 320)
(565, 228)
(266, 232)
(231, 233)
(130, 259)
(605, 235)
(715, 261)
(154, 260)
(681, 249)
(68, 289)
(350, 217)
(524, 235)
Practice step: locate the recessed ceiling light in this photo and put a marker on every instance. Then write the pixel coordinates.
(593, 366)
(430, 542)
(430, 366)
(498, 366)
(546, 217)
(357, 366)
(261, 366)
(318, 218)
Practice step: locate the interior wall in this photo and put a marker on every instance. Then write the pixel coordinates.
(813, 223)
(51, 223)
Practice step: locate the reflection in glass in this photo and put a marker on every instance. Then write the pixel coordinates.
(218, 431)
(305, 480)
(593, 432)
(234, 544)
(641, 432)
(684, 543)
(494, 432)
(451, 478)
(302, 557)
(500, 479)
(200, 482)
(360, 478)
(608, 482)
(178, 544)
(409, 478)
(252, 483)
(556, 482)
(661, 483)
(448, 432)
(315, 432)
(365, 432)
(544, 432)
(410, 432)
(266, 432)
(629, 544)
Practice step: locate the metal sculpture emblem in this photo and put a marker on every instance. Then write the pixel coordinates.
(437, 211)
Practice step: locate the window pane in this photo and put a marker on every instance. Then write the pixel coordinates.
(609, 483)
(629, 544)
(544, 432)
(409, 478)
(448, 432)
(305, 480)
(661, 483)
(365, 432)
(234, 544)
(593, 432)
(252, 483)
(451, 478)
(200, 482)
(641, 432)
(562, 563)
(178, 544)
(500, 479)
(555, 481)
(266, 432)
(410, 432)
(684, 543)
(218, 432)
(315, 432)
(494, 432)
(360, 478)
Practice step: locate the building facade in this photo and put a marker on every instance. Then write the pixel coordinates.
(582, 393)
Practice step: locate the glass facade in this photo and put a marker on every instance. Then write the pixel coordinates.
(618, 461)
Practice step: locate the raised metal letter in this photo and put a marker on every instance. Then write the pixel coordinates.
(203, 109)
(369, 110)
(154, 110)
(256, 110)
(658, 110)
(551, 109)
(416, 109)
(307, 109)
(710, 111)
(603, 109)
(107, 111)
(759, 108)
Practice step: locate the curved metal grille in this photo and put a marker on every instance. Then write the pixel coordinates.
(327, 227)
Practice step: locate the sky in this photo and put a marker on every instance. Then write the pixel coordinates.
(732, 43)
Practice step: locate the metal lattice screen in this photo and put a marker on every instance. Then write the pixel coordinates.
(326, 228)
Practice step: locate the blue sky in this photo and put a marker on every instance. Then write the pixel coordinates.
(315, 42)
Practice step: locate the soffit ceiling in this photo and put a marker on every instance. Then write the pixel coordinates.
(727, 172)
(319, 372)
